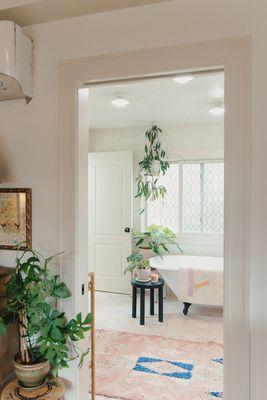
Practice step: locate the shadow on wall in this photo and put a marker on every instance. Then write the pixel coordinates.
(6, 174)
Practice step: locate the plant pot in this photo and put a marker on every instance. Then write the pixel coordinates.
(31, 375)
(155, 170)
(143, 274)
(145, 252)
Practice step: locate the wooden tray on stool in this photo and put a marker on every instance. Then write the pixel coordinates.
(54, 389)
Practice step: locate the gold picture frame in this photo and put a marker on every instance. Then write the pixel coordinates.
(15, 218)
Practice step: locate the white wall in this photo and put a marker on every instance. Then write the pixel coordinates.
(28, 134)
(199, 141)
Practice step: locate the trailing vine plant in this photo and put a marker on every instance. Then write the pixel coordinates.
(153, 165)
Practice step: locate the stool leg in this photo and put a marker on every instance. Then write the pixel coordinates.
(134, 302)
(142, 306)
(151, 301)
(161, 304)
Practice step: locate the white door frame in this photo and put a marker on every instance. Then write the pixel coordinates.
(234, 56)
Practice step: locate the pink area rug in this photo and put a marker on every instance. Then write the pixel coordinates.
(143, 367)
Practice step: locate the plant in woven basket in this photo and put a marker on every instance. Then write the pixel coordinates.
(48, 340)
(153, 165)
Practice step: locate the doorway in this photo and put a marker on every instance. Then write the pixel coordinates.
(188, 111)
(110, 218)
(230, 54)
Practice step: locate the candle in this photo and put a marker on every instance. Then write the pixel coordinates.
(154, 277)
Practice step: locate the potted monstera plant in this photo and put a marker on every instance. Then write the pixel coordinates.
(48, 339)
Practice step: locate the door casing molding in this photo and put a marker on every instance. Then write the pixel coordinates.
(234, 56)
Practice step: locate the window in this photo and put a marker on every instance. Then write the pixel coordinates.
(194, 200)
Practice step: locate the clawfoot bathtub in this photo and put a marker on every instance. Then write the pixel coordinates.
(193, 279)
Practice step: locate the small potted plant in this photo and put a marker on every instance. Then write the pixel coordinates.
(155, 240)
(137, 263)
(47, 338)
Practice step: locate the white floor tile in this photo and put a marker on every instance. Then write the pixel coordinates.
(113, 312)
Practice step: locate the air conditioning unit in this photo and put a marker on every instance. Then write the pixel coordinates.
(15, 63)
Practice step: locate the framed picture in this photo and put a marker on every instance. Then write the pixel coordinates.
(15, 218)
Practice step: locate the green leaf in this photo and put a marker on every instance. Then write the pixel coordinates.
(56, 333)
(3, 328)
(165, 248)
(139, 242)
(80, 334)
(88, 319)
(61, 291)
(42, 348)
(32, 260)
(79, 317)
(64, 364)
(84, 354)
(50, 354)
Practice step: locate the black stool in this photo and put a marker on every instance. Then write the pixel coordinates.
(151, 286)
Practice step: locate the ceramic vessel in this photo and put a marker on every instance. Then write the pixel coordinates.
(33, 375)
(143, 274)
(145, 252)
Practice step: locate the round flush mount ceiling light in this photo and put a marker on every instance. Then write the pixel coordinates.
(217, 108)
(183, 79)
(120, 100)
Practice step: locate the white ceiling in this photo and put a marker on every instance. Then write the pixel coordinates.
(161, 101)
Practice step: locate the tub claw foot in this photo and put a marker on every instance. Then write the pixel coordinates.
(186, 308)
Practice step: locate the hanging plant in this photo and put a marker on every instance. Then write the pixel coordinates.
(153, 165)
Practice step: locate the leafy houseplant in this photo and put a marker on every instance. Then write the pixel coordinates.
(156, 238)
(47, 338)
(153, 165)
(136, 262)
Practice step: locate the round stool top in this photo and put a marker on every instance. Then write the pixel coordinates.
(54, 389)
(147, 285)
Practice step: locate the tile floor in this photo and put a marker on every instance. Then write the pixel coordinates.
(113, 312)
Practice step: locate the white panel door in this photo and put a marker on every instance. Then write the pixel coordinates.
(110, 218)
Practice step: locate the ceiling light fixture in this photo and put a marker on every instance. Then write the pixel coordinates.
(217, 108)
(183, 79)
(119, 100)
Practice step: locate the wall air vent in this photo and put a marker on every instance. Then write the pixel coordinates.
(15, 63)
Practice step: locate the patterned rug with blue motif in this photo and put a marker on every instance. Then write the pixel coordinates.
(146, 367)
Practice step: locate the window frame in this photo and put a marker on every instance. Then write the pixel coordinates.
(180, 232)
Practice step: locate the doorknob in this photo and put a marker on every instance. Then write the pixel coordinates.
(127, 230)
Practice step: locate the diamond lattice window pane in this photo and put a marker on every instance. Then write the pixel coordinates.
(166, 212)
(203, 197)
(191, 197)
(213, 197)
